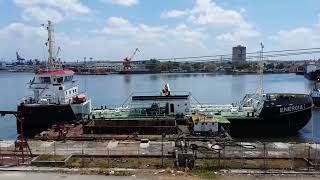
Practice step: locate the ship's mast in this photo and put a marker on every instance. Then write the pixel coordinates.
(53, 63)
(260, 70)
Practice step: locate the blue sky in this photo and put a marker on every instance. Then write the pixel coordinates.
(112, 29)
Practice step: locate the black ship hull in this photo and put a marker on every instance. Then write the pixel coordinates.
(280, 118)
(37, 118)
(138, 72)
(316, 101)
(313, 76)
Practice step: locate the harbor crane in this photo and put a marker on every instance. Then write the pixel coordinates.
(127, 61)
(19, 59)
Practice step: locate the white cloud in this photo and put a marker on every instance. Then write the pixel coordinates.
(18, 36)
(55, 10)
(173, 14)
(41, 14)
(297, 37)
(120, 27)
(113, 42)
(66, 5)
(122, 2)
(208, 14)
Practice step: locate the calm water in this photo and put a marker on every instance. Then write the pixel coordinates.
(115, 89)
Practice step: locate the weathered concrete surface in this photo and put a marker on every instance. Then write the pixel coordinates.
(58, 176)
(153, 148)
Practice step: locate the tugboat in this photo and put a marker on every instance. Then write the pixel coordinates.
(56, 97)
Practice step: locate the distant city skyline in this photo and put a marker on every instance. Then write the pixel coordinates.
(112, 29)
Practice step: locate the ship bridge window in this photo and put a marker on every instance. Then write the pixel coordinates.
(60, 79)
(45, 80)
(68, 78)
(171, 107)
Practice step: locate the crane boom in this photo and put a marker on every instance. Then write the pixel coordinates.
(134, 53)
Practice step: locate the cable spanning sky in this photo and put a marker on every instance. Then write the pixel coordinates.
(112, 29)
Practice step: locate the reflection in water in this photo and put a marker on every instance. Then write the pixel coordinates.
(238, 86)
(127, 78)
(310, 85)
(154, 77)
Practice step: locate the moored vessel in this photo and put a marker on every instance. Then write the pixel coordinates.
(56, 97)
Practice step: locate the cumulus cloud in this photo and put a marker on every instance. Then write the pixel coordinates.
(18, 36)
(56, 10)
(113, 42)
(297, 37)
(121, 27)
(173, 14)
(121, 2)
(65, 5)
(41, 14)
(208, 14)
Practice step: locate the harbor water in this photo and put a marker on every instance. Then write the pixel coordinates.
(114, 90)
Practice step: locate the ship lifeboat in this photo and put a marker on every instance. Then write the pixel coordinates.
(79, 99)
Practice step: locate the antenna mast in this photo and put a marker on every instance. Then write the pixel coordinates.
(260, 70)
(53, 63)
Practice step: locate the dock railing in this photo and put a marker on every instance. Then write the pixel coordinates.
(144, 154)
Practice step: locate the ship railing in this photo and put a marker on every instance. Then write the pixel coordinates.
(213, 107)
(27, 99)
(154, 93)
(109, 107)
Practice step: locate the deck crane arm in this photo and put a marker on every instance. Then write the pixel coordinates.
(58, 51)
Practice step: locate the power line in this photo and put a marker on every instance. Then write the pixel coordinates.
(286, 52)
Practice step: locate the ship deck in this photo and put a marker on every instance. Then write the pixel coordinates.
(220, 113)
(124, 114)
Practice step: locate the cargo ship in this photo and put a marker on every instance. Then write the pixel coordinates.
(257, 115)
(270, 114)
(56, 97)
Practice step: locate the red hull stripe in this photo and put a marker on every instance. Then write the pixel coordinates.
(61, 72)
